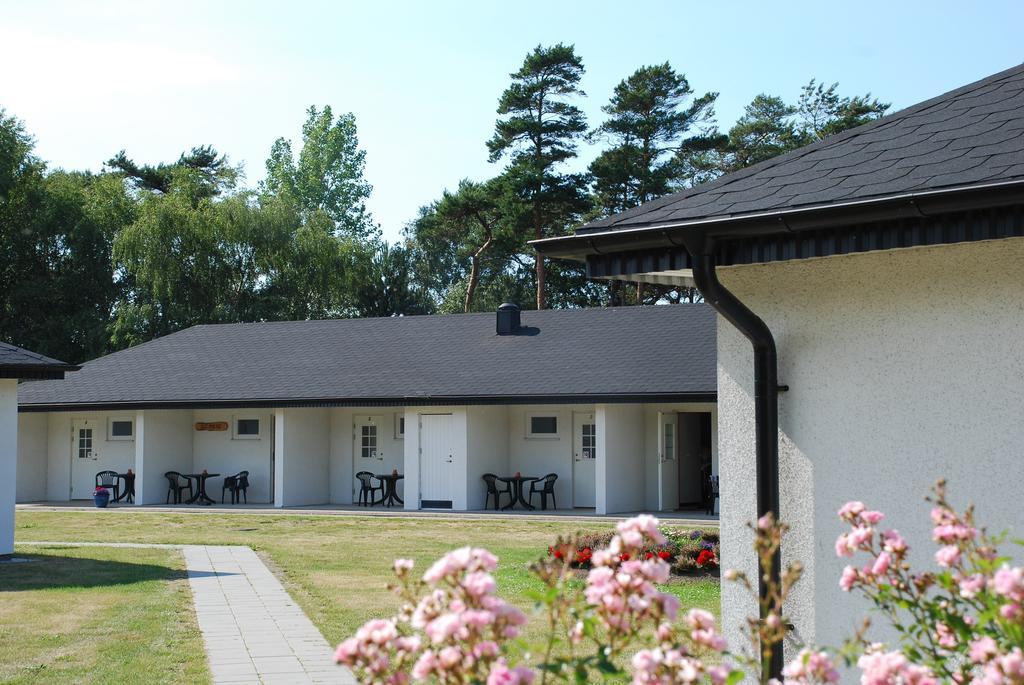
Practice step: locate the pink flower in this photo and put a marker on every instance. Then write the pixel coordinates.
(893, 542)
(403, 565)
(843, 548)
(765, 522)
(850, 510)
(859, 536)
(479, 583)
(948, 556)
(872, 517)
(1011, 611)
(848, 578)
(945, 636)
(425, 665)
(347, 651)
(881, 565)
(983, 649)
(698, 619)
(953, 532)
(644, 524)
(1009, 582)
(970, 586)
(811, 666)
(1012, 664)
(501, 674)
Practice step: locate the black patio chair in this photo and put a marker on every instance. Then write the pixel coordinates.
(711, 494)
(547, 487)
(493, 491)
(177, 483)
(109, 480)
(367, 488)
(238, 483)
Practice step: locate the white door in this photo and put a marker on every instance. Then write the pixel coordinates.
(84, 458)
(668, 461)
(437, 461)
(367, 454)
(584, 457)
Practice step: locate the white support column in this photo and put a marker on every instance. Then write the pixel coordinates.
(140, 461)
(411, 482)
(279, 457)
(620, 458)
(8, 462)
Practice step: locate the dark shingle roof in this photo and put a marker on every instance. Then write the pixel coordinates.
(621, 351)
(970, 136)
(16, 362)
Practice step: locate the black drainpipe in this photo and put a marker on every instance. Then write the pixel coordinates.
(766, 400)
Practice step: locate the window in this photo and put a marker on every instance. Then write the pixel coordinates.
(368, 441)
(588, 440)
(399, 426)
(670, 441)
(120, 429)
(246, 428)
(541, 426)
(85, 443)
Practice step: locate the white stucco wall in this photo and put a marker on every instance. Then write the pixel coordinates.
(904, 366)
(163, 442)
(488, 449)
(220, 452)
(58, 457)
(8, 461)
(48, 443)
(620, 458)
(302, 457)
(541, 456)
(342, 443)
(32, 457)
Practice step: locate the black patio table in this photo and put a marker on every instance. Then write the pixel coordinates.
(517, 482)
(390, 496)
(128, 491)
(201, 497)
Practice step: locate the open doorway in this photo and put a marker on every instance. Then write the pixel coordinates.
(694, 457)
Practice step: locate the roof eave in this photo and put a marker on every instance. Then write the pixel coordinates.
(412, 401)
(36, 371)
(917, 204)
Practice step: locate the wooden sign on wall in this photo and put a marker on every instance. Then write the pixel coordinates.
(212, 426)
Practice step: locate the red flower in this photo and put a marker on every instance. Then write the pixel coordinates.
(665, 554)
(706, 557)
(624, 556)
(649, 555)
(556, 553)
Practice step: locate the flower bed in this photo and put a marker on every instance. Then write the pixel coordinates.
(689, 552)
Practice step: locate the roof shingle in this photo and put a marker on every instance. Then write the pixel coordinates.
(563, 353)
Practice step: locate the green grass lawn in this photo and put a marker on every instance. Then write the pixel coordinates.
(98, 615)
(337, 568)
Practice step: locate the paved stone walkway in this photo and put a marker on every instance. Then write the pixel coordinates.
(252, 629)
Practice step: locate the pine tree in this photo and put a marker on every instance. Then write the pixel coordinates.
(538, 132)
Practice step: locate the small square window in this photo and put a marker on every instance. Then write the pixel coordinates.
(247, 429)
(120, 429)
(541, 426)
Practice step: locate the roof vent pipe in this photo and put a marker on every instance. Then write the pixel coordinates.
(508, 319)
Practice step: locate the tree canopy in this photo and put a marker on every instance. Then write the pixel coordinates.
(93, 262)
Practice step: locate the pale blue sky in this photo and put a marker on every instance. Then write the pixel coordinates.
(423, 78)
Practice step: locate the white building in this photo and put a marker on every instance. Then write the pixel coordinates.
(619, 403)
(885, 265)
(16, 364)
